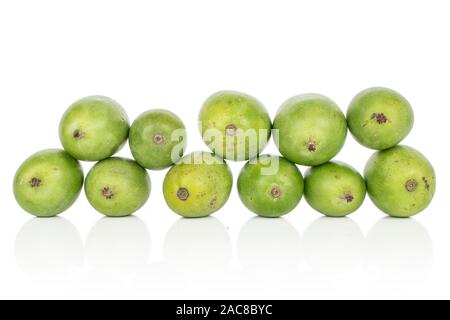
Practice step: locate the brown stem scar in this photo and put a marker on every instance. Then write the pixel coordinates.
(107, 193)
(379, 117)
(348, 197)
(312, 146)
(411, 185)
(230, 130)
(183, 194)
(158, 139)
(35, 182)
(275, 192)
(78, 134)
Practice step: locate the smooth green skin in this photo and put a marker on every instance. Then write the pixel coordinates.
(328, 185)
(367, 130)
(61, 179)
(208, 180)
(145, 149)
(226, 108)
(309, 118)
(126, 179)
(387, 173)
(255, 188)
(103, 124)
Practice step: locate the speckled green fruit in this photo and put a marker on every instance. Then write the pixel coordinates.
(400, 181)
(157, 139)
(234, 125)
(310, 129)
(48, 183)
(198, 185)
(117, 187)
(270, 186)
(379, 118)
(334, 189)
(94, 128)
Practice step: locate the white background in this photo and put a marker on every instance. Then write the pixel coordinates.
(174, 54)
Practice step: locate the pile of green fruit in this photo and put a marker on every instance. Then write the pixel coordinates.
(308, 130)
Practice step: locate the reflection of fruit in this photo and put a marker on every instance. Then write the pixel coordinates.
(271, 186)
(117, 187)
(50, 250)
(264, 245)
(154, 135)
(400, 181)
(197, 245)
(311, 129)
(48, 183)
(334, 189)
(94, 128)
(332, 246)
(398, 251)
(234, 125)
(198, 185)
(379, 118)
(119, 245)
